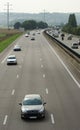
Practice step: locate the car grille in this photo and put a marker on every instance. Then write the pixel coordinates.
(32, 113)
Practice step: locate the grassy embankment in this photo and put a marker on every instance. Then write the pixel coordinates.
(7, 37)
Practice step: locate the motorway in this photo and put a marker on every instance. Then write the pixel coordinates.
(40, 70)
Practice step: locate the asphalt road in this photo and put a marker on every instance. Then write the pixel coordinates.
(40, 70)
(66, 42)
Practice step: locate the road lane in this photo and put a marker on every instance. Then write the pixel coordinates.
(38, 71)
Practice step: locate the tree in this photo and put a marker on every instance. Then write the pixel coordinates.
(29, 24)
(71, 26)
(17, 25)
(72, 20)
(42, 25)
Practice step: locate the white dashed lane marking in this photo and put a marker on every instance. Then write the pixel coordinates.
(17, 76)
(13, 91)
(5, 120)
(52, 119)
(41, 66)
(43, 75)
(40, 59)
(46, 91)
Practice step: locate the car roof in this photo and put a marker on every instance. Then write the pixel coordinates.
(32, 96)
(16, 46)
(75, 43)
(11, 56)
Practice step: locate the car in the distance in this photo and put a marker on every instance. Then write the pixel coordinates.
(69, 37)
(32, 106)
(32, 38)
(55, 35)
(17, 48)
(33, 34)
(26, 35)
(11, 59)
(75, 45)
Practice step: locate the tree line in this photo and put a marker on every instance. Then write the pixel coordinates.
(30, 24)
(71, 26)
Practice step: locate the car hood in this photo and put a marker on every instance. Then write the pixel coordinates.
(32, 107)
(16, 47)
(11, 59)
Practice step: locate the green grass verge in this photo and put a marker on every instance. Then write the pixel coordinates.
(5, 43)
(2, 35)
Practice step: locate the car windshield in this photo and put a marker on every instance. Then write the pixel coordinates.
(16, 47)
(11, 58)
(32, 102)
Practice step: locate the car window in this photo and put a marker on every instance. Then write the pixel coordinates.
(32, 102)
(11, 58)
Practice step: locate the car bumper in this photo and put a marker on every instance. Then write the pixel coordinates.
(11, 63)
(33, 115)
(17, 49)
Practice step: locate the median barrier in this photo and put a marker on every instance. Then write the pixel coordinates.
(70, 51)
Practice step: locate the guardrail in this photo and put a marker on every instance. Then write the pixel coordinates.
(65, 47)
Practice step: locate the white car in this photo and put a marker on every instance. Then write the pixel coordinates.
(17, 48)
(75, 45)
(11, 59)
(26, 35)
(32, 106)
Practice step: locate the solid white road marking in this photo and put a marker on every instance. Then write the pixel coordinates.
(75, 68)
(52, 119)
(6, 57)
(13, 91)
(41, 66)
(46, 91)
(5, 120)
(4, 60)
(78, 84)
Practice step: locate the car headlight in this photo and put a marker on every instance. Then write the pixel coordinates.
(41, 110)
(23, 110)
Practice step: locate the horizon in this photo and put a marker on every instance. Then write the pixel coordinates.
(43, 12)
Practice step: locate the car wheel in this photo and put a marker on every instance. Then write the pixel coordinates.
(22, 117)
(44, 116)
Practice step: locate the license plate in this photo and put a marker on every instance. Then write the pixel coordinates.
(33, 117)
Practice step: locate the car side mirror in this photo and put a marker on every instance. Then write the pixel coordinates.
(20, 104)
(44, 103)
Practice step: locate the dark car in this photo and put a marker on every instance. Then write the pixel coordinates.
(32, 106)
(69, 37)
(32, 38)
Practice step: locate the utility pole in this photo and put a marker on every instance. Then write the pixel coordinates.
(8, 15)
(44, 15)
(8, 8)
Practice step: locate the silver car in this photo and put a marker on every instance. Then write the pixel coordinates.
(11, 59)
(32, 106)
(75, 45)
(17, 48)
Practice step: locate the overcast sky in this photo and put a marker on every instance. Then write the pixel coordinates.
(37, 6)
